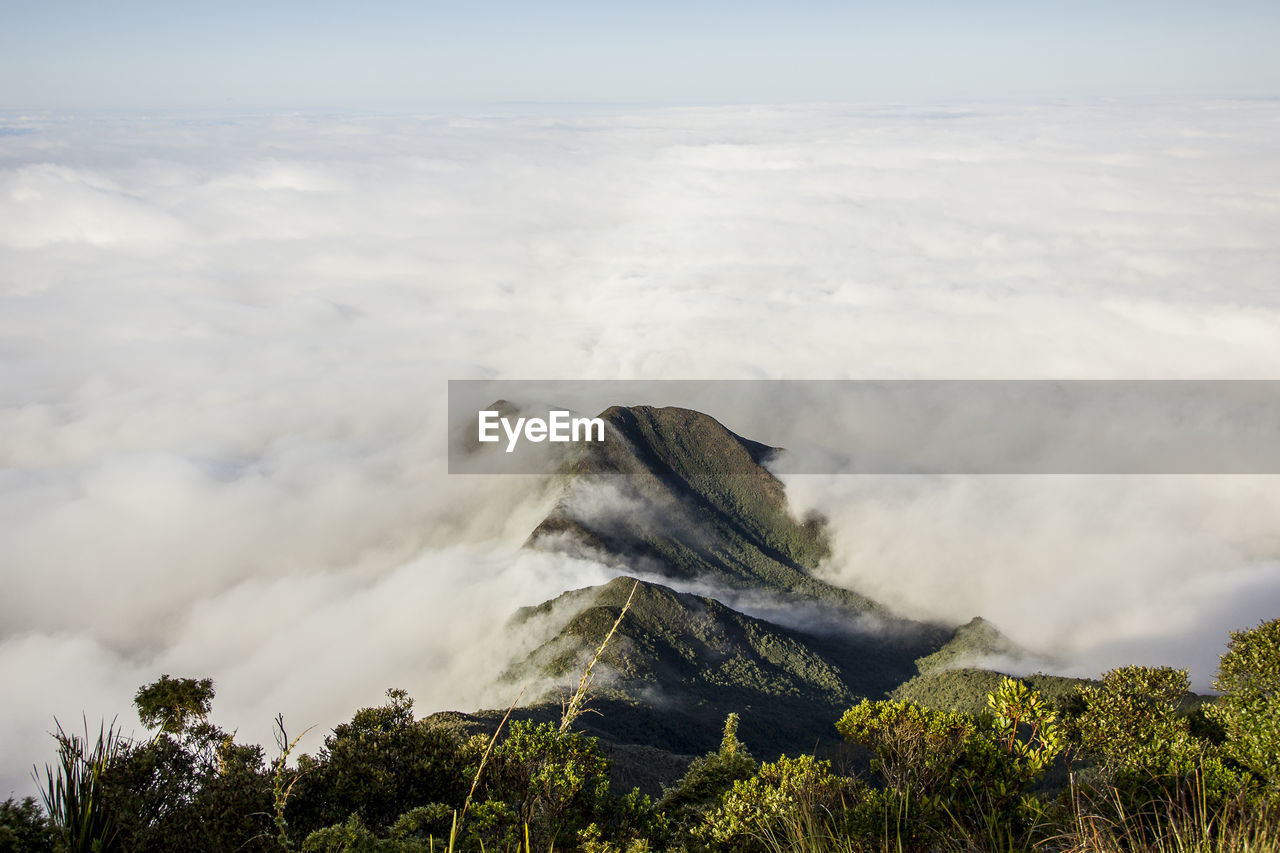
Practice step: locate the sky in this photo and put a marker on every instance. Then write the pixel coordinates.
(378, 55)
(243, 248)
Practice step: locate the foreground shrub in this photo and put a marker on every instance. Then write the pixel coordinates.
(378, 766)
(685, 804)
(1249, 708)
(1142, 750)
(191, 786)
(945, 772)
(75, 793)
(791, 801)
(24, 828)
(554, 783)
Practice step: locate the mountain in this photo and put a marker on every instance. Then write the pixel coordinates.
(969, 644)
(672, 492)
(727, 615)
(696, 660)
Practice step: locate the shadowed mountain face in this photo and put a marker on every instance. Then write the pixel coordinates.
(695, 660)
(674, 495)
(681, 643)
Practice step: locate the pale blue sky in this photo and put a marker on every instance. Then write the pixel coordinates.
(148, 54)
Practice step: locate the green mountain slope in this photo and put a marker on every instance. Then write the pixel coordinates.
(967, 689)
(971, 642)
(682, 642)
(693, 660)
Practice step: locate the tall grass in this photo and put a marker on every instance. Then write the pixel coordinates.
(1093, 822)
(74, 792)
(1169, 824)
(577, 703)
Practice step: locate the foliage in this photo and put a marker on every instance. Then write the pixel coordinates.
(353, 836)
(75, 793)
(946, 771)
(1133, 727)
(172, 704)
(1153, 770)
(1026, 735)
(787, 798)
(378, 766)
(554, 782)
(915, 749)
(707, 780)
(423, 823)
(1249, 709)
(24, 827)
(192, 786)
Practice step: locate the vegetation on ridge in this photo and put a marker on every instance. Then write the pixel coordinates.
(1145, 777)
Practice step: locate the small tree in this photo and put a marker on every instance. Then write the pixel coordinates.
(172, 704)
(191, 787)
(378, 766)
(1147, 756)
(24, 827)
(945, 770)
(707, 780)
(1249, 709)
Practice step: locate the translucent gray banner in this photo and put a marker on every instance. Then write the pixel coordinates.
(897, 426)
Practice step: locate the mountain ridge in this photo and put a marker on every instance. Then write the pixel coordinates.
(673, 499)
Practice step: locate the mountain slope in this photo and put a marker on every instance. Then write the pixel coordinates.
(693, 660)
(674, 493)
(967, 689)
(678, 642)
(975, 640)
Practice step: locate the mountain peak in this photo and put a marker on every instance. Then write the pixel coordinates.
(674, 493)
(971, 643)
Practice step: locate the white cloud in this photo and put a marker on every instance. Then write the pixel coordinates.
(225, 344)
(1092, 571)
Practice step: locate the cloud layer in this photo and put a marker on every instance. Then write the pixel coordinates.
(225, 345)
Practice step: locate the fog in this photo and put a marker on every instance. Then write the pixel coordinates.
(225, 344)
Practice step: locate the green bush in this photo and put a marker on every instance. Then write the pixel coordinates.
(792, 800)
(190, 787)
(378, 766)
(1133, 728)
(1249, 708)
(684, 804)
(76, 792)
(552, 782)
(24, 828)
(946, 772)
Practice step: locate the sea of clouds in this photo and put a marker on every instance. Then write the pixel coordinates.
(225, 340)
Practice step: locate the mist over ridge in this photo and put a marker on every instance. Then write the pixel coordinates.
(226, 341)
